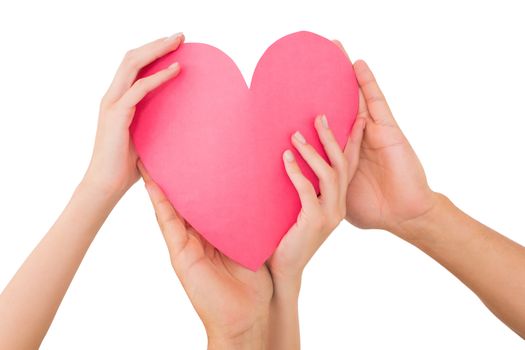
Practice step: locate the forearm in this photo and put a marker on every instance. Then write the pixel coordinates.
(491, 265)
(29, 302)
(284, 319)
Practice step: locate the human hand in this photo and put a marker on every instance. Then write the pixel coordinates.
(232, 301)
(113, 168)
(389, 189)
(318, 217)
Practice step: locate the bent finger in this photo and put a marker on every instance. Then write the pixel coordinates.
(302, 185)
(135, 60)
(333, 150)
(144, 85)
(327, 176)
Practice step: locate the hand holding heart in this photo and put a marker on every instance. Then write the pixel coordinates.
(244, 304)
(235, 304)
(243, 271)
(389, 190)
(113, 166)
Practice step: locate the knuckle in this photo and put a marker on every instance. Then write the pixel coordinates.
(376, 98)
(370, 79)
(164, 223)
(331, 176)
(170, 221)
(130, 53)
(163, 205)
(111, 110)
(131, 58)
(345, 164)
(141, 84)
(304, 185)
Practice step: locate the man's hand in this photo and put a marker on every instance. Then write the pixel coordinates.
(390, 187)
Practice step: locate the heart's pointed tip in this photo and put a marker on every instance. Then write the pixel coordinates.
(253, 264)
(254, 267)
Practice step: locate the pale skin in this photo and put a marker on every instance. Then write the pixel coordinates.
(29, 302)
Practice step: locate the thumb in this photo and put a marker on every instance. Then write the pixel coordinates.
(171, 224)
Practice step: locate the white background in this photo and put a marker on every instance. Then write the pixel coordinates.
(452, 71)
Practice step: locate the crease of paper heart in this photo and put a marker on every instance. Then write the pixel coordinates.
(215, 146)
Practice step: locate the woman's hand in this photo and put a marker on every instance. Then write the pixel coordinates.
(113, 168)
(232, 302)
(318, 217)
(30, 300)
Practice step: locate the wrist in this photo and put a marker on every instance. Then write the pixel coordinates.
(416, 230)
(252, 338)
(284, 306)
(286, 289)
(284, 316)
(97, 191)
(100, 189)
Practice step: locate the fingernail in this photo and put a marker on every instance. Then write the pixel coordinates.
(299, 137)
(174, 66)
(288, 156)
(173, 37)
(324, 121)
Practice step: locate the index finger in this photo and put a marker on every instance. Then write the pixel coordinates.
(135, 60)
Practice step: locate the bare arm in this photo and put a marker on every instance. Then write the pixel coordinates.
(490, 264)
(31, 299)
(29, 302)
(390, 192)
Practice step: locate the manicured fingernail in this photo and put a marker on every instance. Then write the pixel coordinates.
(324, 121)
(173, 37)
(299, 137)
(174, 66)
(288, 156)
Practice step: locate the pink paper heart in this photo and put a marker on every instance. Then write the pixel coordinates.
(215, 146)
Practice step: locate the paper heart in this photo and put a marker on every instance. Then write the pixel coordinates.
(215, 146)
